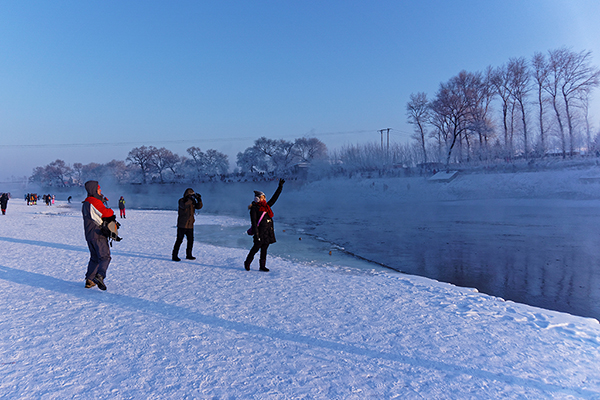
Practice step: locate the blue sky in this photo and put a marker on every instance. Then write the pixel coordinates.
(86, 81)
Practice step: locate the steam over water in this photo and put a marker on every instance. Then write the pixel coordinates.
(530, 238)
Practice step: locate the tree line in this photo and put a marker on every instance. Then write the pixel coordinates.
(541, 106)
(148, 164)
(524, 109)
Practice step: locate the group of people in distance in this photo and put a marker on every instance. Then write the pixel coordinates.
(96, 213)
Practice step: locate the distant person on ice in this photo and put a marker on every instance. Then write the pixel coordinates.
(4, 202)
(188, 204)
(122, 207)
(94, 213)
(261, 217)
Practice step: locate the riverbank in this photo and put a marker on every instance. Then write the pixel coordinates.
(209, 329)
(529, 237)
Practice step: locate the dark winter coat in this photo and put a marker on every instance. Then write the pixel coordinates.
(3, 201)
(94, 212)
(121, 203)
(188, 204)
(265, 231)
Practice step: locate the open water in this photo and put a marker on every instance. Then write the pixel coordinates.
(543, 253)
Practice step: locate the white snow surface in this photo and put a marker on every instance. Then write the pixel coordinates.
(208, 329)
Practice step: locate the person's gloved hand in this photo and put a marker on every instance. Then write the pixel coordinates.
(281, 182)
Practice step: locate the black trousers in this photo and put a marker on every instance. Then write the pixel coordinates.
(263, 252)
(189, 234)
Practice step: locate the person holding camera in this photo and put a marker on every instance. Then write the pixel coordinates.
(95, 213)
(188, 204)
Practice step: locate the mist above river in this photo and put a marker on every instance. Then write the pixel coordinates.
(527, 237)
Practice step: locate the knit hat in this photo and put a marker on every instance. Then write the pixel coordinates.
(257, 194)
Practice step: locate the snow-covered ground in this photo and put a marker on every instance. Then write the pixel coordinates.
(207, 329)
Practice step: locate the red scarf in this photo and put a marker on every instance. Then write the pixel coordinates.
(264, 207)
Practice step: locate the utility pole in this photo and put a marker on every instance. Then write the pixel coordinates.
(388, 140)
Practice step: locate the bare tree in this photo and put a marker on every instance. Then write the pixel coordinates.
(142, 157)
(480, 95)
(571, 77)
(540, 71)
(519, 88)
(578, 77)
(552, 87)
(500, 79)
(417, 110)
(585, 107)
(451, 109)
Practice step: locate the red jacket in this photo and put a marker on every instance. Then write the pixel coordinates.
(93, 211)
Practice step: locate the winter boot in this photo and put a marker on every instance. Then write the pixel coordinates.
(190, 257)
(249, 259)
(99, 280)
(263, 266)
(89, 284)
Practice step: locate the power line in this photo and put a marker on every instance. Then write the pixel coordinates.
(197, 140)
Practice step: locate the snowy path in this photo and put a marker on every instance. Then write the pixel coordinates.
(209, 329)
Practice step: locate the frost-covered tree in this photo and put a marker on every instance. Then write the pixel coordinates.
(269, 155)
(57, 173)
(92, 171)
(197, 160)
(164, 160)
(578, 79)
(142, 157)
(417, 111)
(216, 163)
(500, 80)
(210, 163)
(519, 88)
(252, 160)
(450, 110)
(539, 72)
(309, 149)
(77, 173)
(118, 170)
